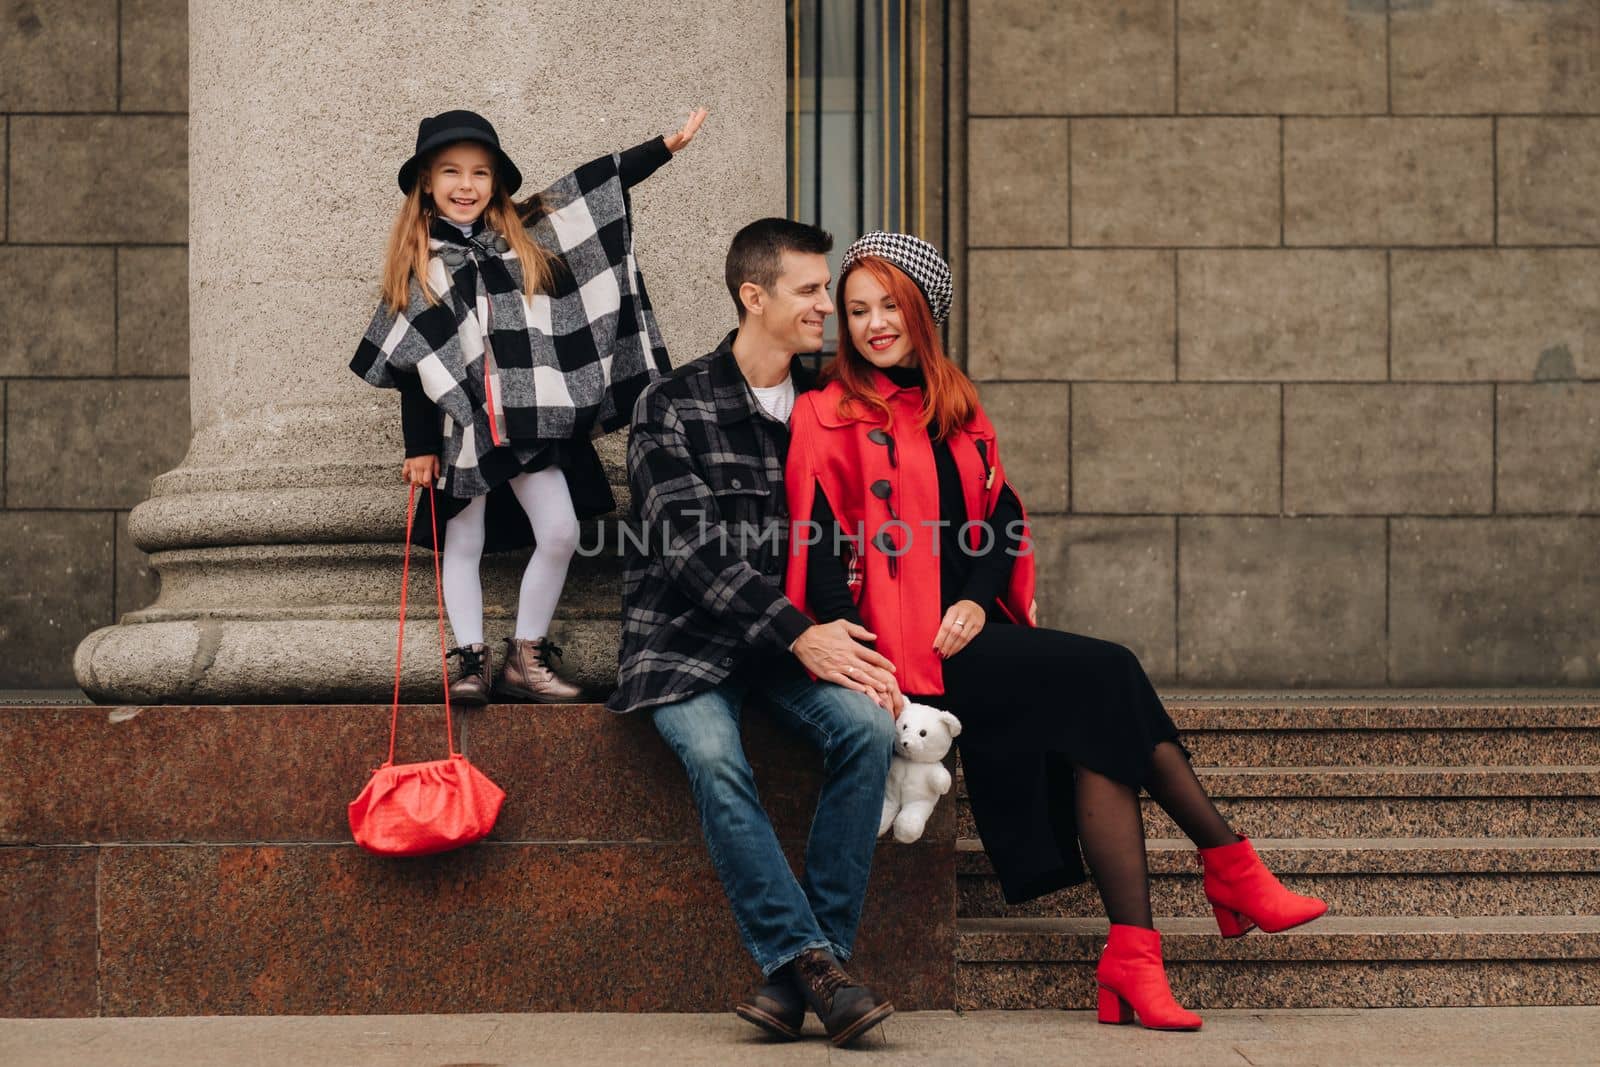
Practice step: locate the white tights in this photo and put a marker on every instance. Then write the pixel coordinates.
(544, 496)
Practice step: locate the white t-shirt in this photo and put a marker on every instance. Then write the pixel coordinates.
(777, 400)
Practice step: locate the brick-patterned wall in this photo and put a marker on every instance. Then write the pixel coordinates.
(1291, 314)
(94, 326)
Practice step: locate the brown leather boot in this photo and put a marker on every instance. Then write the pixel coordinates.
(847, 1008)
(776, 1006)
(530, 677)
(474, 676)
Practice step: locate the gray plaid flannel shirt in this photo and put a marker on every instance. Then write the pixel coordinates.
(705, 465)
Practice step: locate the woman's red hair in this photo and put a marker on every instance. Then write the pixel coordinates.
(948, 396)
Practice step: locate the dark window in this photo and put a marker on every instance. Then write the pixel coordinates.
(866, 118)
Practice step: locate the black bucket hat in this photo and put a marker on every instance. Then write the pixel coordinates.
(448, 128)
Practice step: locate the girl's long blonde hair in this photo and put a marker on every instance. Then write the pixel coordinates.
(407, 254)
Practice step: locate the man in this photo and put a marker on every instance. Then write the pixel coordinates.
(705, 624)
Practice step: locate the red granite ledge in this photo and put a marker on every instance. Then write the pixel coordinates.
(293, 930)
(47, 932)
(286, 773)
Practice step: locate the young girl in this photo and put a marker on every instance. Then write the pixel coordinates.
(513, 331)
(1059, 731)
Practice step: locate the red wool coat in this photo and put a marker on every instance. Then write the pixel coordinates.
(903, 609)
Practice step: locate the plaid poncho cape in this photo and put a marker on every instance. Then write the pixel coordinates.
(512, 372)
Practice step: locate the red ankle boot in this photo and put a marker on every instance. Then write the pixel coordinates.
(1132, 979)
(1243, 893)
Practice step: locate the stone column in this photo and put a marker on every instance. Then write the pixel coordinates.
(277, 538)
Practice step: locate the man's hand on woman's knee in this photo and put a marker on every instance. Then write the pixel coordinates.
(834, 653)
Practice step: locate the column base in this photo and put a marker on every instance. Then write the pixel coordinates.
(302, 660)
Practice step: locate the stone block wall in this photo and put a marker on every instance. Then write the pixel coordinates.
(1291, 314)
(94, 327)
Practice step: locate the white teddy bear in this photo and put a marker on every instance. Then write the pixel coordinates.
(917, 778)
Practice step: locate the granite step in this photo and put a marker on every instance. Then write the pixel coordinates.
(1357, 876)
(284, 773)
(1338, 961)
(197, 861)
(119, 819)
(1252, 734)
(1389, 801)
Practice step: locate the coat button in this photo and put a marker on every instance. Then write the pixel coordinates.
(737, 484)
(727, 661)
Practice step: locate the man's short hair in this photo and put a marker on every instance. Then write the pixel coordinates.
(756, 254)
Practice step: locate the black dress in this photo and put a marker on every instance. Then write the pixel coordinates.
(1032, 701)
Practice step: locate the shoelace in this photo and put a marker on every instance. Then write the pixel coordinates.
(471, 660)
(824, 976)
(547, 649)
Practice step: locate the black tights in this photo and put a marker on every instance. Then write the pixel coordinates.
(1111, 829)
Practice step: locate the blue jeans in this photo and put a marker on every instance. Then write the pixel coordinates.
(779, 917)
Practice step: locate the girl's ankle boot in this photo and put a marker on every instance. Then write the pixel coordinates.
(1243, 893)
(530, 675)
(1133, 981)
(474, 676)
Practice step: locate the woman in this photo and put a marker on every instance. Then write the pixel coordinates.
(925, 544)
(513, 331)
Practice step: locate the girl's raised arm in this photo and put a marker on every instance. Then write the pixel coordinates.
(641, 161)
(677, 142)
(635, 164)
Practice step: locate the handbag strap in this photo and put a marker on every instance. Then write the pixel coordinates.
(400, 642)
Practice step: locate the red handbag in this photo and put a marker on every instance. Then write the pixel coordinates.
(416, 809)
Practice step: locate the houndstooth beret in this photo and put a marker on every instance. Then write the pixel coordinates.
(919, 260)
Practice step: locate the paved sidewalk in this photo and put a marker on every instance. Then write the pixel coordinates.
(1454, 1036)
